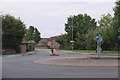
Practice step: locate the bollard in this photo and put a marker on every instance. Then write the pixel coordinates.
(54, 51)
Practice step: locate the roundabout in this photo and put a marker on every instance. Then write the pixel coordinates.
(76, 61)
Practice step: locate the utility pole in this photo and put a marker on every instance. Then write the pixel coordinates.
(72, 34)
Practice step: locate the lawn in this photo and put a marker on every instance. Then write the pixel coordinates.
(94, 51)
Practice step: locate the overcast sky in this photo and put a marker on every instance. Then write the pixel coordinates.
(50, 17)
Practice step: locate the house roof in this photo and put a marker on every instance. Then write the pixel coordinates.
(43, 40)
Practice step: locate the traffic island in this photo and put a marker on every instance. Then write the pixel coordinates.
(88, 61)
(118, 58)
(54, 55)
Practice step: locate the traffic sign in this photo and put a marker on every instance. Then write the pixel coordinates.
(71, 41)
(97, 37)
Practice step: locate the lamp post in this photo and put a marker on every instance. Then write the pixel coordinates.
(72, 34)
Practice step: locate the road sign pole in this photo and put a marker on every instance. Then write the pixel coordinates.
(97, 49)
(72, 46)
(118, 47)
(100, 48)
(99, 40)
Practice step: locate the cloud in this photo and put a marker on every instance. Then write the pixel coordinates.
(50, 17)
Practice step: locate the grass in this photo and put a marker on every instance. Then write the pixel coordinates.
(94, 51)
(110, 52)
(85, 51)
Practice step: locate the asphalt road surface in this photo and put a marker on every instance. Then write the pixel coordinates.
(18, 66)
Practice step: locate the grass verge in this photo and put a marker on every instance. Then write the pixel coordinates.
(94, 51)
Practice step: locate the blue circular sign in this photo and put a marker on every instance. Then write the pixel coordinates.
(97, 37)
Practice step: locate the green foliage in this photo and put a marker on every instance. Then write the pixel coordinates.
(29, 33)
(90, 41)
(107, 32)
(85, 29)
(63, 39)
(117, 15)
(32, 42)
(32, 34)
(13, 31)
(116, 19)
(36, 35)
(82, 25)
(94, 51)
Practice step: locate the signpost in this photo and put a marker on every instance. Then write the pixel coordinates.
(72, 34)
(97, 37)
(71, 41)
(99, 40)
(72, 44)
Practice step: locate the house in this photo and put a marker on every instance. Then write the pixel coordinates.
(42, 43)
(53, 44)
(25, 46)
(48, 43)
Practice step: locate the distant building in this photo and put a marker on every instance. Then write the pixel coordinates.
(25, 46)
(48, 43)
(42, 43)
(52, 42)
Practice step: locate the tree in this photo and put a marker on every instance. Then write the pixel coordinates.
(13, 30)
(32, 35)
(117, 15)
(82, 24)
(90, 40)
(29, 33)
(64, 42)
(36, 35)
(116, 21)
(107, 31)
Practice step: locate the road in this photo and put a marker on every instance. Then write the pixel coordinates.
(18, 66)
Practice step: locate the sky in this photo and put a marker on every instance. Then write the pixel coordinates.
(50, 16)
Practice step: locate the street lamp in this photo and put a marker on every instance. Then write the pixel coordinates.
(72, 34)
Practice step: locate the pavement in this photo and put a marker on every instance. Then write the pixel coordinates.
(20, 66)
